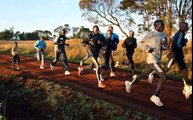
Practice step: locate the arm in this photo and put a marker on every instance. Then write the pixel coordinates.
(116, 38)
(143, 45)
(56, 40)
(179, 40)
(13, 51)
(135, 43)
(124, 44)
(102, 41)
(36, 45)
(164, 44)
(45, 45)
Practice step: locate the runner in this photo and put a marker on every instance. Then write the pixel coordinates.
(16, 58)
(114, 43)
(40, 45)
(130, 44)
(176, 55)
(94, 45)
(152, 43)
(59, 43)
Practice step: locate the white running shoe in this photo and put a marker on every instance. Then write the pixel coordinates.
(94, 69)
(128, 86)
(112, 74)
(51, 67)
(150, 77)
(187, 91)
(134, 77)
(41, 67)
(66, 72)
(18, 68)
(156, 100)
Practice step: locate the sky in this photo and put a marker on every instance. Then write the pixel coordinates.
(30, 15)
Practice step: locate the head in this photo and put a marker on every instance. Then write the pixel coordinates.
(41, 37)
(15, 43)
(110, 28)
(159, 25)
(109, 33)
(95, 29)
(63, 32)
(131, 33)
(183, 26)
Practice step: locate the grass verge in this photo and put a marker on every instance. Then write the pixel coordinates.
(54, 101)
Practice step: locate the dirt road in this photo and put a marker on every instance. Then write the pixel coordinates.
(176, 107)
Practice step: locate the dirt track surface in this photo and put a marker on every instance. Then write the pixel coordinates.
(176, 107)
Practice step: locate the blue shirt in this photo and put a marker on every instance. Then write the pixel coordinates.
(114, 38)
(40, 44)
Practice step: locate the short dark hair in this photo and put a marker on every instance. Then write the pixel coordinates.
(183, 23)
(42, 37)
(158, 22)
(96, 26)
(63, 30)
(110, 31)
(111, 27)
(15, 43)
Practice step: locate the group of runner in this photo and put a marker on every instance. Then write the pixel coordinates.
(102, 46)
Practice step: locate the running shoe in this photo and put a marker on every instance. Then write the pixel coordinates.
(156, 100)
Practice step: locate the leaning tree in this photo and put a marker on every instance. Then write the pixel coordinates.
(105, 12)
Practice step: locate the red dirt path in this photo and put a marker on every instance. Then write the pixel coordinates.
(176, 107)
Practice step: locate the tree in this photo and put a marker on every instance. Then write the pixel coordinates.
(183, 10)
(7, 34)
(167, 10)
(83, 30)
(60, 28)
(21, 36)
(143, 8)
(75, 31)
(47, 34)
(31, 36)
(105, 12)
(16, 35)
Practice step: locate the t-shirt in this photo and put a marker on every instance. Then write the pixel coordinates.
(60, 39)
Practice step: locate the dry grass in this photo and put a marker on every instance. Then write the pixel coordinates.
(76, 51)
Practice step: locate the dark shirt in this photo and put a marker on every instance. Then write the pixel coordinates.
(178, 43)
(114, 39)
(130, 44)
(61, 39)
(93, 43)
(109, 44)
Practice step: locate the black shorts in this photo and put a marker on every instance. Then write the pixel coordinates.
(16, 59)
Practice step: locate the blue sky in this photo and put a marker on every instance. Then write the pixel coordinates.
(30, 15)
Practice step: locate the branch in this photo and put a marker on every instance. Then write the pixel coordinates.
(188, 11)
(180, 7)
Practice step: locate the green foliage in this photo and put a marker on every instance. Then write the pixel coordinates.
(105, 12)
(77, 31)
(6, 35)
(29, 36)
(168, 10)
(60, 102)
